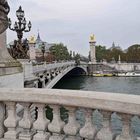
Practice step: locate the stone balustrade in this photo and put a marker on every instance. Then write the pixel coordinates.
(38, 68)
(44, 73)
(76, 104)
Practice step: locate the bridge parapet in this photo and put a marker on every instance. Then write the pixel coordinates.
(24, 127)
(45, 66)
(44, 72)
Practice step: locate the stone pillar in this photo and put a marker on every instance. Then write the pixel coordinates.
(11, 73)
(32, 52)
(92, 43)
(119, 60)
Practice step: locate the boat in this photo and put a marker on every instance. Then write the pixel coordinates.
(129, 74)
(102, 74)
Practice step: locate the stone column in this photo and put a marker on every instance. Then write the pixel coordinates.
(32, 51)
(10, 69)
(5, 58)
(92, 43)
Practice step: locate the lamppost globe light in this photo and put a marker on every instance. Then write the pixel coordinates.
(9, 21)
(20, 13)
(24, 21)
(15, 25)
(29, 25)
(43, 50)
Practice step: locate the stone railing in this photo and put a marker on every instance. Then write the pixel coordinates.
(23, 127)
(45, 66)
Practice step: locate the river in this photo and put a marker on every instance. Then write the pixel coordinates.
(126, 85)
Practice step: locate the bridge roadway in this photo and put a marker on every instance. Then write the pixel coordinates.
(47, 75)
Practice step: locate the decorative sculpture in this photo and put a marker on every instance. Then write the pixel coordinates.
(19, 52)
(4, 10)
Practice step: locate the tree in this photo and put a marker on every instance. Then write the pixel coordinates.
(133, 53)
(100, 52)
(60, 52)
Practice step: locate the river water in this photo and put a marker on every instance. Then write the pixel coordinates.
(125, 85)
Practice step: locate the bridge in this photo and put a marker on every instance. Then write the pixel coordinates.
(47, 75)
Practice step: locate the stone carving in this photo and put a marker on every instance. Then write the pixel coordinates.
(4, 10)
(18, 51)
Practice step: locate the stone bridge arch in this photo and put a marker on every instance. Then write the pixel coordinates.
(73, 71)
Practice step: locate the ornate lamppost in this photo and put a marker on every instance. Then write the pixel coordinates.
(43, 50)
(20, 26)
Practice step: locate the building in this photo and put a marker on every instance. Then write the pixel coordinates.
(114, 46)
(37, 44)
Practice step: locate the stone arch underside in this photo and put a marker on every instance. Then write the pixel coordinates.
(73, 71)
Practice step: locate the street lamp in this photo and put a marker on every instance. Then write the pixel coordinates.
(20, 26)
(43, 50)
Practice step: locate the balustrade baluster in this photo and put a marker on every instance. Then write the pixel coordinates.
(105, 133)
(88, 131)
(56, 126)
(41, 124)
(26, 123)
(72, 127)
(36, 84)
(49, 76)
(125, 134)
(2, 117)
(43, 82)
(33, 112)
(53, 74)
(11, 121)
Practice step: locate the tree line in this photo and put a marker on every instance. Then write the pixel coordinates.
(131, 55)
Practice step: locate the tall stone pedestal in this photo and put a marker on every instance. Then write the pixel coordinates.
(11, 72)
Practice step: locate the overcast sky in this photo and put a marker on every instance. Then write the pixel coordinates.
(72, 21)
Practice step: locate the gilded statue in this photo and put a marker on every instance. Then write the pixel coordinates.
(92, 38)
